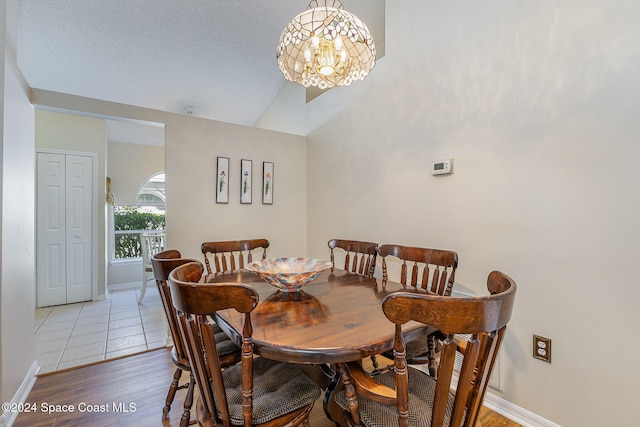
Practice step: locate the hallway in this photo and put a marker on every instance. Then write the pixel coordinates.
(77, 334)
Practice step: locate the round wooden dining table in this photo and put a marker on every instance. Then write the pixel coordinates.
(333, 320)
(336, 318)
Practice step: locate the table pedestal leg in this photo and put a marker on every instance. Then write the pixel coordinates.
(331, 408)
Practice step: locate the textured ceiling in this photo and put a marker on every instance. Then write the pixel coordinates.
(215, 55)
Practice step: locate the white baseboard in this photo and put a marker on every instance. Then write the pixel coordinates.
(101, 297)
(504, 407)
(516, 413)
(8, 418)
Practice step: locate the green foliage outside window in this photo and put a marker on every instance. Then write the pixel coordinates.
(135, 218)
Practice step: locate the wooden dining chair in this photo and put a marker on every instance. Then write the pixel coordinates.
(433, 271)
(360, 257)
(231, 255)
(257, 392)
(163, 263)
(151, 243)
(409, 397)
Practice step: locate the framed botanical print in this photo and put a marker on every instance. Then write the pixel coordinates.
(267, 183)
(222, 180)
(245, 181)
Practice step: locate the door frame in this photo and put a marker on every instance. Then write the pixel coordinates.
(94, 210)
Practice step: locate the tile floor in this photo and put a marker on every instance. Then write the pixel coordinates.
(77, 334)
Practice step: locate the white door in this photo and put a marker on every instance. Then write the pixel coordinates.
(64, 238)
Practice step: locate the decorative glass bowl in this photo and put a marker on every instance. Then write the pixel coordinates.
(288, 274)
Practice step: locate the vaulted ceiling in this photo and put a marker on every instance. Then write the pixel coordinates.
(216, 56)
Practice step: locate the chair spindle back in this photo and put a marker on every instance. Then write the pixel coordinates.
(226, 253)
(437, 273)
(360, 257)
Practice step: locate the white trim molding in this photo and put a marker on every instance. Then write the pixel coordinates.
(8, 418)
(503, 407)
(516, 413)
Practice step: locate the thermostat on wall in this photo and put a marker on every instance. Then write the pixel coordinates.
(442, 167)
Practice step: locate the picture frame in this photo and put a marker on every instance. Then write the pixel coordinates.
(246, 179)
(222, 180)
(267, 183)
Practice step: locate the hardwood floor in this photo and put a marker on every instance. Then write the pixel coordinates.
(129, 392)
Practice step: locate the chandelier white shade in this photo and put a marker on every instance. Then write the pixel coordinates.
(326, 46)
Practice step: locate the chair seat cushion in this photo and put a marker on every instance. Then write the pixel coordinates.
(224, 346)
(278, 389)
(223, 343)
(415, 348)
(421, 391)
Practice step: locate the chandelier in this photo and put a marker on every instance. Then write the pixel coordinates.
(326, 46)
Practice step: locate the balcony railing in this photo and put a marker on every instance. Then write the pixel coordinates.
(127, 243)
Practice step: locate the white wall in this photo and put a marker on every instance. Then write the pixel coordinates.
(193, 216)
(129, 166)
(17, 215)
(538, 103)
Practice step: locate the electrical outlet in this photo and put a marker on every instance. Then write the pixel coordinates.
(542, 348)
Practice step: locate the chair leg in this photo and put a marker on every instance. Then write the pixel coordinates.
(143, 289)
(374, 363)
(350, 394)
(432, 355)
(188, 402)
(172, 393)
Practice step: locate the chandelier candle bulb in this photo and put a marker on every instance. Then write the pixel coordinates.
(338, 44)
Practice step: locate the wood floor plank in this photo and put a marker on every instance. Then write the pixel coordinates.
(140, 380)
(132, 389)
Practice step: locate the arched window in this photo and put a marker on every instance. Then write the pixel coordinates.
(147, 214)
(151, 193)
